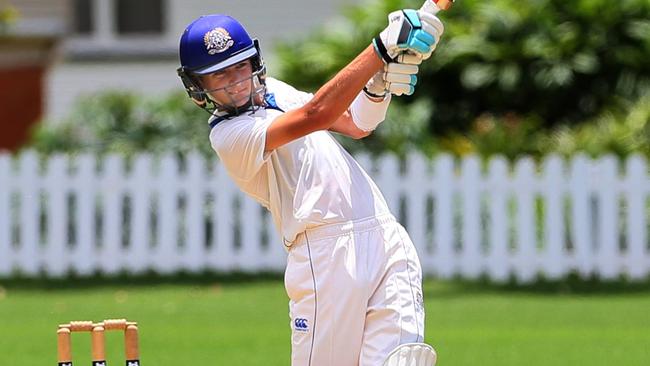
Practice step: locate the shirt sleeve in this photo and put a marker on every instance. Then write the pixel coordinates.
(287, 96)
(300, 98)
(240, 145)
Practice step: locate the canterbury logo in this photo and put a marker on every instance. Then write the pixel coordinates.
(300, 324)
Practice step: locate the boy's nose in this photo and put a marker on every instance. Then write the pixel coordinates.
(236, 81)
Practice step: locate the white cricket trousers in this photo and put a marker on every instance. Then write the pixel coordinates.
(355, 293)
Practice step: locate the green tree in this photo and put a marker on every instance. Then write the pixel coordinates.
(511, 78)
(554, 61)
(127, 123)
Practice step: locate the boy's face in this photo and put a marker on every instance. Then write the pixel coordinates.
(231, 86)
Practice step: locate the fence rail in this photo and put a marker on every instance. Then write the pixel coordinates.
(111, 215)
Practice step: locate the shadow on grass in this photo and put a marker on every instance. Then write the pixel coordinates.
(98, 280)
(572, 284)
(457, 287)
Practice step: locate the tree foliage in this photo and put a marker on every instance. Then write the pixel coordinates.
(510, 77)
(554, 61)
(126, 123)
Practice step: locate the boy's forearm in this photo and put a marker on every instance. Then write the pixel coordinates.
(328, 104)
(334, 98)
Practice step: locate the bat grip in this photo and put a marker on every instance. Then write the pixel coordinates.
(430, 7)
(434, 6)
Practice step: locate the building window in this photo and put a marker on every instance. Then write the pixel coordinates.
(83, 16)
(139, 17)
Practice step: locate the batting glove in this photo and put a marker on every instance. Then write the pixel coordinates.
(409, 30)
(395, 78)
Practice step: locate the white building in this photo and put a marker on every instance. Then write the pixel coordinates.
(132, 45)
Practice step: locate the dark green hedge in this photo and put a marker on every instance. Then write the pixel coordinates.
(556, 60)
(510, 77)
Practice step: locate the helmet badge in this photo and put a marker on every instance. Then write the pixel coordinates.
(217, 40)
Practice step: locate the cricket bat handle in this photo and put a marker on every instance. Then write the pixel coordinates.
(434, 6)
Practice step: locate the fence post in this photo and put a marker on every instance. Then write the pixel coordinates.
(580, 188)
(166, 251)
(193, 256)
(28, 255)
(55, 187)
(139, 258)
(554, 256)
(470, 185)
(607, 252)
(526, 265)
(636, 193)
(498, 264)
(110, 258)
(445, 256)
(84, 257)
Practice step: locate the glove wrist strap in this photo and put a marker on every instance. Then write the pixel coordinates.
(373, 95)
(381, 50)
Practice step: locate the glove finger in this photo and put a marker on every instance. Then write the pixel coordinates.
(409, 58)
(432, 32)
(396, 68)
(430, 22)
(401, 78)
(425, 37)
(419, 46)
(400, 88)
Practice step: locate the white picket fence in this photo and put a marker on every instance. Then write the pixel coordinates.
(87, 215)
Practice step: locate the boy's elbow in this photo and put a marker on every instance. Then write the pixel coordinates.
(319, 117)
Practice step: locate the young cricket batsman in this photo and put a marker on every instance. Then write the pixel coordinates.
(353, 276)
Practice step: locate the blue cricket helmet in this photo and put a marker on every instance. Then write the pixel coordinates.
(212, 43)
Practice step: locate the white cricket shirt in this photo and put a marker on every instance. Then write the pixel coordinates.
(308, 182)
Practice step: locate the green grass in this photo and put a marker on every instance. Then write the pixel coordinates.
(211, 321)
